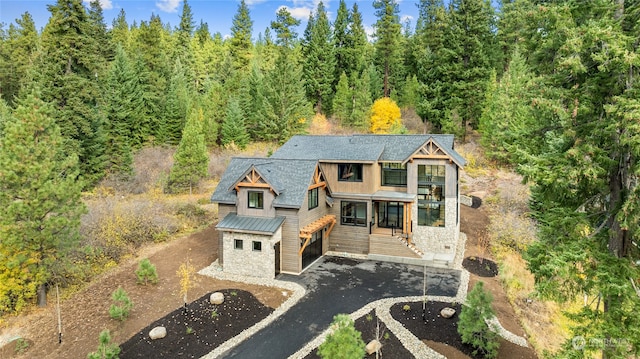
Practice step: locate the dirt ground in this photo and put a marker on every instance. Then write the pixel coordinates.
(85, 314)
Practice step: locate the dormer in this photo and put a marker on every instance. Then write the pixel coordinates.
(255, 194)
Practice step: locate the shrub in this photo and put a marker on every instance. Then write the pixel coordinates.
(345, 342)
(122, 305)
(472, 324)
(146, 272)
(106, 350)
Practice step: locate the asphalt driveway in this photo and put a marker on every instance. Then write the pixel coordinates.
(339, 285)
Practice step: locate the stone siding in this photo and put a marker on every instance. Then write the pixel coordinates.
(246, 261)
(440, 240)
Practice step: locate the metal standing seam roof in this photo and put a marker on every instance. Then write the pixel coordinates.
(261, 225)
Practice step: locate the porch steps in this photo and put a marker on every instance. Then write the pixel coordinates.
(392, 246)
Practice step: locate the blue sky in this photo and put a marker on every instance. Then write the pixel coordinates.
(217, 13)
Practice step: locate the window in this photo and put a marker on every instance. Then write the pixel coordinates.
(255, 199)
(350, 172)
(257, 246)
(354, 213)
(313, 198)
(431, 184)
(237, 244)
(394, 174)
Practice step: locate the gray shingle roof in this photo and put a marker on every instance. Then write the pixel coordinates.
(290, 178)
(266, 225)
(362, 148)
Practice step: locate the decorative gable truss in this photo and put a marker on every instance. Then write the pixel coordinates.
(307, 232)
(253, 179)
(431, 150)
(318, 179)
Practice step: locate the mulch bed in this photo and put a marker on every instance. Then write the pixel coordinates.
(481, 267)
(198, 331)
(442, 330)
(391, 346)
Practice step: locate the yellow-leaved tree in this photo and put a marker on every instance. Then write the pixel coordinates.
(385, 116)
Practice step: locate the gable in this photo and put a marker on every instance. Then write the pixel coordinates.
(432, 149)
(252, 178)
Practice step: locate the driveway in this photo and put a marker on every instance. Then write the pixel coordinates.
(340, 285)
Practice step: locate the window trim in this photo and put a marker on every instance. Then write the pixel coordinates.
(260, 200)
(357, 174)
(313, 198)
(402, 169)
(429, 202)
(354, 217)
(236, 246)
(253, 246)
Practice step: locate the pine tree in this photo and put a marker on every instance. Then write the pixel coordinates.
(178, 103)
(185, 30)
(126, 119)
(341, 43)
(69, 64)
(98, 31)
(468, 59)
(240, 44)
(584, 170)
(233, 129)
(40, 203)
(120, 33)
(343, 101)
(286, 109)
(472, 324)
(252, 100)
(388, 44)
(361, 102)
(345, 342)
(358, 46)
(149, 45)
(19, 50)
(191, 160)
(318, 67)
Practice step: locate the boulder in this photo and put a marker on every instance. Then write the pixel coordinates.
(158, 333)
(373, 346)
(216, 298)
(447, 312)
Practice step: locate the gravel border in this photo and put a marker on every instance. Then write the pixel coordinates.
(382, 308)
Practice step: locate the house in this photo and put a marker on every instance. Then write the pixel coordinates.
(387, 197)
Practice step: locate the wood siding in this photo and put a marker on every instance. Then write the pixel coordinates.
(267, 201)
(370, 179)
(291, 262)
(390, 246)
(350, 239)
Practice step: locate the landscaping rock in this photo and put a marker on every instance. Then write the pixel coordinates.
(373, 347)
(447, 312)
(216, 298)
(158, 333)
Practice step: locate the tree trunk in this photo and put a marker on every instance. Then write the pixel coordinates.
(42, 295)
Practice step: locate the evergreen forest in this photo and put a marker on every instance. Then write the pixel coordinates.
(551, 86)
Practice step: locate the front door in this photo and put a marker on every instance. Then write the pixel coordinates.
(390, 214)
(313, 250)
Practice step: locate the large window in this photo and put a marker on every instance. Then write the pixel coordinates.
(353, 213)
(313, 198)
(256, 200)
(394, 174)
(350, 172)
(431, 184)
